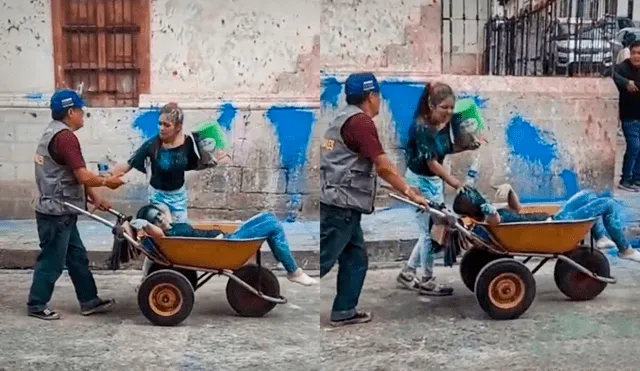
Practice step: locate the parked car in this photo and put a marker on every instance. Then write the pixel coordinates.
(577, 45)
(616, 42)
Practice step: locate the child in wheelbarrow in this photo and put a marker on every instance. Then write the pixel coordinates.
(583, 205)
(155, 220)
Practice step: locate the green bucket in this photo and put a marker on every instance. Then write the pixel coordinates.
(212, 130)
(468, 110)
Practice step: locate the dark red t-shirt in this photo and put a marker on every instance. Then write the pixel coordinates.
(64, 148)
(361, 136)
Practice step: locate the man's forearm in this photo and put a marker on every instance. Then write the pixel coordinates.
(620, 81)
(389, 172)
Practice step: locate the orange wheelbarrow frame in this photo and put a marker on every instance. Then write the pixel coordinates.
(177, 261)
(505, 287)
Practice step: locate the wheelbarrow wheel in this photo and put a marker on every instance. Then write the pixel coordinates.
(166, 297)
(577, 285)
(246, 303)
(505, 289)
(472, 263)
(192, 276)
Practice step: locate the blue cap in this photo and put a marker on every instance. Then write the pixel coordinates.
(358, 84)
(63, 99)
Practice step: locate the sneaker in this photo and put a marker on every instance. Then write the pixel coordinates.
(408, 281)
(101, 307)
(298, 276)
(46, 314)
(430, 287)
(605, 243)
(360, 317)
(628, 186)
(630, 254)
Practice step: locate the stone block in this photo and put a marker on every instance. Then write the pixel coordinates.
(7, 132)
(263, 180)
(26, 172)
(7, 173)
(30, 132)
(219, 179)
(306, 180)
(23, 152)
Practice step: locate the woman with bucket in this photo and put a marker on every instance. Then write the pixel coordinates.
(166, 158)
(435, 133)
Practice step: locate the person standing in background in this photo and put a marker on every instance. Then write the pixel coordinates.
(351, 159)
(61, 176)
(626, 76)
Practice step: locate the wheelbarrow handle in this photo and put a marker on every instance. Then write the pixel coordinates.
(103, 220)
(432, 211)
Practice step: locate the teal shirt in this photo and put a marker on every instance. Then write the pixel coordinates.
(424, 145)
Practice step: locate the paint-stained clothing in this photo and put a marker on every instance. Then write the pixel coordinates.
(361, 136)
(168, 165)
(425, 144)
(583, 205)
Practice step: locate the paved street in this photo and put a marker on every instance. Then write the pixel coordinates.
(413, 333)
(212, 338)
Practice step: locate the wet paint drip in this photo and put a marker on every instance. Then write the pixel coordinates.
(331, 89)
(147, 124)
(533, 154)
(293, 129)
(402, 100)
(227, 114)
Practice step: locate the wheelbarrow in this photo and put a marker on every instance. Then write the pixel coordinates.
(505, 287)
(166, 295)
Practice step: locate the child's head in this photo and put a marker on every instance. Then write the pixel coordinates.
(469, 203)
(156, 214)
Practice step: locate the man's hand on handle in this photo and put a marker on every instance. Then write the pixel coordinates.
(632, 87)
(100, 204)
(414, 196)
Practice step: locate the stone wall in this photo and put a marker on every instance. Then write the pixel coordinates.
(548, 137)
(255, 69)
(252, 67)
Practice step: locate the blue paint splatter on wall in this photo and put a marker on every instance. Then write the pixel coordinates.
(533, 152)
(147, 123)
(34, 96)
(402, 99)
(331, 89)
(293, 128)
(227, 114)
(478, 100)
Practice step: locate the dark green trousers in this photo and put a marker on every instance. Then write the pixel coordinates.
(60, 245)
(341, 241)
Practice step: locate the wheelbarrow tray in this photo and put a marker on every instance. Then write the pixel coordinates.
(206, 253)
(541, 237)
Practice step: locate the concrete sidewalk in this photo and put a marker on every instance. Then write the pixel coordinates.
(390, 234)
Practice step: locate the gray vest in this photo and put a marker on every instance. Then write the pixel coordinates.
(56, 183)
(346, 179)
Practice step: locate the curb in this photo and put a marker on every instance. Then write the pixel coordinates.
(26, 258)
(380, 253)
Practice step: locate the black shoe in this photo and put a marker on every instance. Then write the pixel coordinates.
(46, 314)
(628, 186)
(361, 317)
(101, 307)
